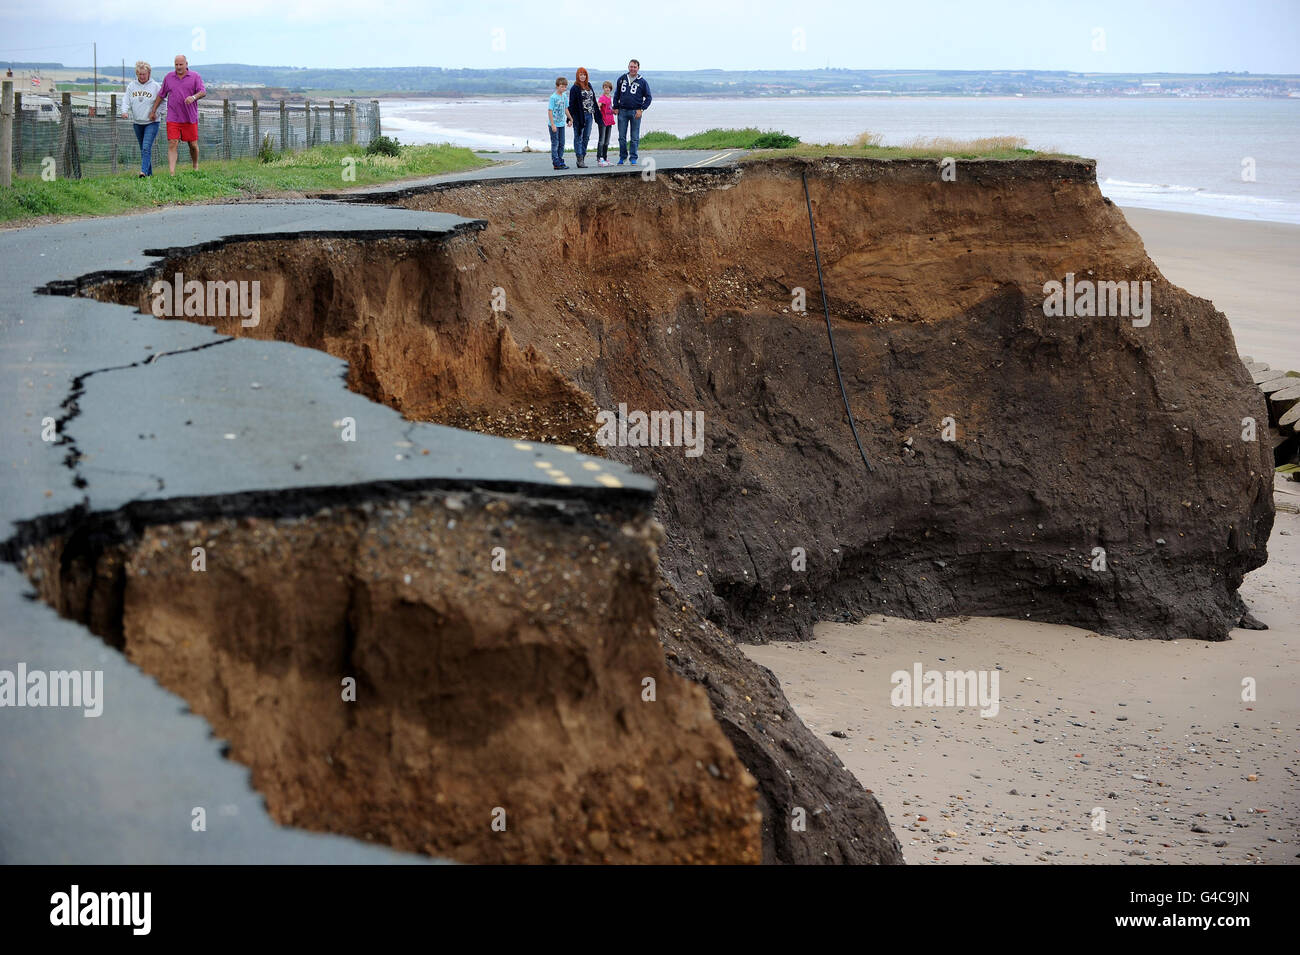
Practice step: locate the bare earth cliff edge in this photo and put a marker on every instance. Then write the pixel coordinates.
(1070, 433)
(930, 293)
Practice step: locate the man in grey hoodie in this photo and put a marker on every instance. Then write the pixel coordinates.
(140, 95)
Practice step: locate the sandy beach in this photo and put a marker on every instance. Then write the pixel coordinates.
(1155, 734)
(1249, 270)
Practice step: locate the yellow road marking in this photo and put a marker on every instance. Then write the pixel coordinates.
(711, 159)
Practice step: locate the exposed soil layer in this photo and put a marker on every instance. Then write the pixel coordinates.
(681, 294)
(1070, 433)
(516, 695)
(430, 363)
(814, 809)
(676, 294)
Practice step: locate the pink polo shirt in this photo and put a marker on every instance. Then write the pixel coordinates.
(175, 89)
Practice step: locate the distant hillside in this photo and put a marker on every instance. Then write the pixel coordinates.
(534, 80)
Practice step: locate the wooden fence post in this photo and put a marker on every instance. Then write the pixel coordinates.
(226, 131)
(112, 132)
(68, 140)
(350, 122)
(331, 121)
(257, 127)
(306, 112)
(284, 127)
(18, 132)
(6, 134)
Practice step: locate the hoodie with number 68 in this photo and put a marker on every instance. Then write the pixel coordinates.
(632, 93)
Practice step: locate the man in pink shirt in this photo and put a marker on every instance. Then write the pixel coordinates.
(181, 91)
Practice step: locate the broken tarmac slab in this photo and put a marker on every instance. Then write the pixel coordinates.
(255, 416)
(168, 419)
(536, 165)
(147, 377)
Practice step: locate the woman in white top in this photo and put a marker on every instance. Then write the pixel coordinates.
(140, 95)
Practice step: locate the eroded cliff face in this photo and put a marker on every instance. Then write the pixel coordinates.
(1068, 433)
(1011, 449)
(516, 714)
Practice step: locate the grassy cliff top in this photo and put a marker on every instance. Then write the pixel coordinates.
(767, 144)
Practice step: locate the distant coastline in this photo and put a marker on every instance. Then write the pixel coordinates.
(436, 82)
(843, 94)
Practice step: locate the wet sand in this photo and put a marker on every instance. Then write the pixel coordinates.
(1155, 734)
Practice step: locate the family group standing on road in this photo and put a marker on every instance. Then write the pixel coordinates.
(178, 94)
(582, 109)
(180, 91)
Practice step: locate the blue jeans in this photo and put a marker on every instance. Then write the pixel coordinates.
(582, 124)
(557, 146)
(145, 134)
(626, 116)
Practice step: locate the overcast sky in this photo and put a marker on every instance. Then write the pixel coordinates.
(1191, 36)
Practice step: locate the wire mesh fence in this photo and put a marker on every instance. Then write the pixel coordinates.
(78, 136)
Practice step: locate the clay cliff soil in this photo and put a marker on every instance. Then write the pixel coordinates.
(680, 294)
(491, 717)
(1070, 433)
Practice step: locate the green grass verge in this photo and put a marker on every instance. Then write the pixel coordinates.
(868, 146)
(750, 138)
(813, 150)
(314, 170)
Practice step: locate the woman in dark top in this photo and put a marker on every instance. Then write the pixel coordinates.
(582, 107)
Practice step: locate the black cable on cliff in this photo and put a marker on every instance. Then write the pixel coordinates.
(821, 283)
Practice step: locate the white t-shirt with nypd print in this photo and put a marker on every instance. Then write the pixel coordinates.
(139, 100)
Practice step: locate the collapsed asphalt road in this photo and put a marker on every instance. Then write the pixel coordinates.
(169, 440)
(114, 413)
(127, 428)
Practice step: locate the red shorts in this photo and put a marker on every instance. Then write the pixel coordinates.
(188, 132)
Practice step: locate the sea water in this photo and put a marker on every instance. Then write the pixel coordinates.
(1238, 158)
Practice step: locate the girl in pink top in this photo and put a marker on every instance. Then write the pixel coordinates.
(606, 123)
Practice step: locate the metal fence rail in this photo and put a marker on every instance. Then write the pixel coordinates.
(85, 140)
